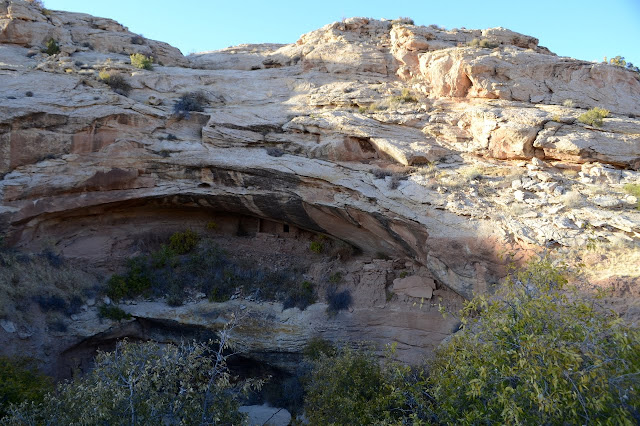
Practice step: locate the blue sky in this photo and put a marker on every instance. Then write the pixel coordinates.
(583, 29)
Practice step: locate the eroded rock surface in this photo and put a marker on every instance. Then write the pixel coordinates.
(401, 140)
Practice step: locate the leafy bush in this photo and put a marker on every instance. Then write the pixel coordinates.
(20, 382)
(52, 47)
(116, 81)
(193, 101)
(594, 116)
(352, 388)
(569, 103)
(144, 384)
(141, 61)
(534, 354)
(29, 94)
(183, 242)
(483, 43)
(164, 256)
(338, 301)
(134, 283)
(316, 247)
(619, 61)
(317, 347)
(113, 312)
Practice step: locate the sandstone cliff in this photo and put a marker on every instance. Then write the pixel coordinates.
(404, 141)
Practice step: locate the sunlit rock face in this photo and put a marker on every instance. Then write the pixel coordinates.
(410, 143)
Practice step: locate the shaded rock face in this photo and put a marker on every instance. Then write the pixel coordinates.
(317, 135)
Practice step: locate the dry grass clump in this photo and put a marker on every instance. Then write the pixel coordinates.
(405, 96)
(633, 189)
(188, 102)
(482, 43)
(43, 279)
(116, 81)
(572, 199)
(390, 103)
(403, 20)
(428, 171)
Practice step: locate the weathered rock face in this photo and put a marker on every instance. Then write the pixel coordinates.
(25, 25)
(292, 133)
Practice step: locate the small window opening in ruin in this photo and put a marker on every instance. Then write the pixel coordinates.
(285, 228)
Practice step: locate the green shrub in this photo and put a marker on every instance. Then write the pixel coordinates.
(318, 347)
(134, 283)
(165, 256)
(619, 61)
(116, 81)
(20, 381)
(187, 263)
(352, 388)
(52, 47)
(633, 189)
(183, 242)
(113, 312)
(483, 43)
(138, 60)
(536, 354)
(594, 116)
(145, 384)
(316, 247)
